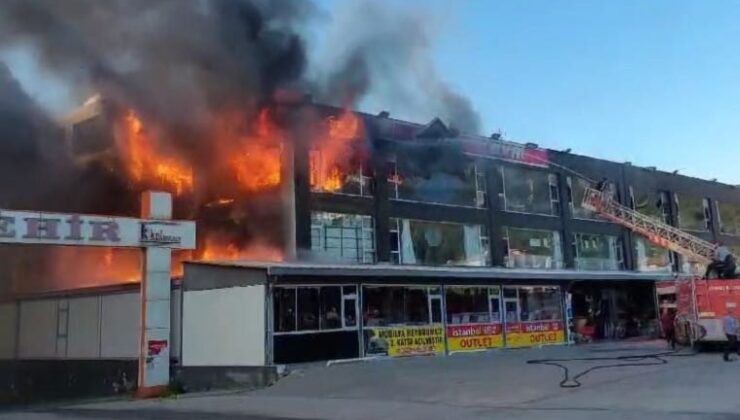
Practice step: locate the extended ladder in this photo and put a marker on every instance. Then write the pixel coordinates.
(657, 232)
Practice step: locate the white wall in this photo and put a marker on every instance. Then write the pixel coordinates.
(83, 332)
(120, 320)
(37, 336)
(90, 327)
(224, 327)
(8, 324)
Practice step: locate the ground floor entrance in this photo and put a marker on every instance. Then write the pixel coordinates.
(613, 310)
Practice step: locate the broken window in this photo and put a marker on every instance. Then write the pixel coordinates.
(651, 203)
(729, 218)
(532, 248)
(577, 190)
(693, 213)
(352, 177)
(528, 190)
(460, 185)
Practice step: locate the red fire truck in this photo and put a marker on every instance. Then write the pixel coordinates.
(699, 304)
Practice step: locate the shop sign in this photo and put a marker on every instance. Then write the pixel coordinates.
(42, 228)
(405, 341)
(528, 334)
(470, 337)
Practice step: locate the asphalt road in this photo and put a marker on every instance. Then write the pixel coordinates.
(492, 385)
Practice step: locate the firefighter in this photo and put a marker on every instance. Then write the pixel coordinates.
(730, 328)
(723, 263)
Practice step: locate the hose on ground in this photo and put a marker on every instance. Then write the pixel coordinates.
(634, 360)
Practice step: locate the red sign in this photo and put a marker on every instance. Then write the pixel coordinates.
(155, 347)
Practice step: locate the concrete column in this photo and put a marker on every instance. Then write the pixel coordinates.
(154, 342)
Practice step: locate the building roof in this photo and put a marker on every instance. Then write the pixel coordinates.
(387, 270)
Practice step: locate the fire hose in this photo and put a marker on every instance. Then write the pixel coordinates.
(634, 360)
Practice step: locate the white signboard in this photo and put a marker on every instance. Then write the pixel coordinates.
(31, 227)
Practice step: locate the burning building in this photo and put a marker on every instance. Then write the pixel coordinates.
(323, 232)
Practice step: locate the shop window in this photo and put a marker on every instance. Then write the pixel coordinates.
(651, 257)
(314, 308)
(532, 303)
(435, 243)
(529, 191)
(458, 186)
(576, 192)
(283, 303)
(472, 305)
(729, 218)
(400, 305)
(598, 252)
(693, 213)
(531, 248)
(343, 237)
(651, 203)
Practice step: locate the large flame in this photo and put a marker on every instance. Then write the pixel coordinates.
(257, 161)
(146, 164)
(330, 155)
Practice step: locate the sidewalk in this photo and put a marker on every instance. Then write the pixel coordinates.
(497, 384)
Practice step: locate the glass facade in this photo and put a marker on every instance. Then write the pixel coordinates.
(532, 248)
(528, 190)
(576, 191)
(729, 218)
(435, 243)
(347, 238)
(465, 186)
(693, 213)
(314, 308)
(651, 257)
(597, 252)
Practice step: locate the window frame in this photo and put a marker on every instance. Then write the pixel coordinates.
(365, 227)
(396, 247)
(479, 185)
(618, 245)
(555, 236)
(341, 309)
(430, 297)
(504, 201)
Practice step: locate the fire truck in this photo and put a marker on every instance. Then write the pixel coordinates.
(699, 303)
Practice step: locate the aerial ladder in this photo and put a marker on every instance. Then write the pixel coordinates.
(700, 304)
(657, 232)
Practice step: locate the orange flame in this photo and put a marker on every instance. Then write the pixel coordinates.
(145, 164)
(215, 250)
(329, 158)
(257, 162)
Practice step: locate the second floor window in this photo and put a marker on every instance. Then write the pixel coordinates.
(652, 257)
(576, 191)
(348, 238)
(598, 252)
(532, 248)
(436, 243)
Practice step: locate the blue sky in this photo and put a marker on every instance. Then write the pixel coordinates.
(652, 82)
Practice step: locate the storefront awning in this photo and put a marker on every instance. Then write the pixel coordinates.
(396, 271)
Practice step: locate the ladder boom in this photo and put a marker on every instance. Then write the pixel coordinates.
(657, 232)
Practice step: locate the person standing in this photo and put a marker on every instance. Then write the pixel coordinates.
(730, 326)
(667, 322)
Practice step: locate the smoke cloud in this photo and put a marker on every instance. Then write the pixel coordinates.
(384, 54)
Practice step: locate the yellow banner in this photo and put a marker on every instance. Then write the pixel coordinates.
(470, 337)
(529, 334)
(405, 341)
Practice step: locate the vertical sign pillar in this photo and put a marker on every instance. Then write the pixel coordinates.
(154, 342)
